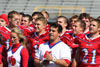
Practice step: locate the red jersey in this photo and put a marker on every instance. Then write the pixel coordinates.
(90, 51)
(1, 50)
(35, 41)
(69, 38)
(47, 27)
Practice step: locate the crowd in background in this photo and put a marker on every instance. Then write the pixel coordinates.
(30, 41)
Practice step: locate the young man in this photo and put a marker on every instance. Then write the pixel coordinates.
(90, 46)
(86, 18)
(53, 53)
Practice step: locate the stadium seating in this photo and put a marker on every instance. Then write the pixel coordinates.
(54, 7)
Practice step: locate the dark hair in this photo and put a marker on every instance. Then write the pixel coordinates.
(84, 15)
(55, 25)
(98, 22)
(39, 14)
(21, 13)
(82, 24)
(65, 18)
(11, 13)
(27, 15)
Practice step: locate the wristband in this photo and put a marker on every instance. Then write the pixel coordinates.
(54, 59)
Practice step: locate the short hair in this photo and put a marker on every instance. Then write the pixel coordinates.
(84, 15)
(21, 13)
(43, 11)
(55, 25)
(74, 17)
(11, 13)
(39, 14)
(44, 21)
(27, 15)
(97, 21)
(65, 18)
(82, 24)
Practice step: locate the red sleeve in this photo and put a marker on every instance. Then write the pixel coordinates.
(1, 49)
(25, 56)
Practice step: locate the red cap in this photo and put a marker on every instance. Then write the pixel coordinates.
(4, 17)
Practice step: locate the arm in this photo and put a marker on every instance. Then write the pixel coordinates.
(62, 62)
(76, 59)
(25, 56)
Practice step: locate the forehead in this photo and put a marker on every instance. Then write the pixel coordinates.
(16, 16)
(26, 18)
(53, 28)
(39, 22)
(94, 23)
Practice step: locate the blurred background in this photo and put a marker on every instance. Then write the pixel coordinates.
(55, 8)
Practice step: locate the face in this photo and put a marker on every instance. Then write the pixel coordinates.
(61, 22)
(2, 22)
(93, 27)
(14, 38)
(76, 28)
(39, 26)
(87, 22)
(34, 18)
(25, 21)
(15, 21)
(53, 33)
(73, 21)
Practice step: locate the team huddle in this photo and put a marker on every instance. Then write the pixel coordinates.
(31, 41)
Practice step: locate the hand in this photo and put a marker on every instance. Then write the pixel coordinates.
(49, 56)
(45, 62)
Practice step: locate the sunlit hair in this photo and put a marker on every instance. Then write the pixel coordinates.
(47, 14)
(42, 19)
(19, 33)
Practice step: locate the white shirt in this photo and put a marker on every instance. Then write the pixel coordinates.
(59, 51)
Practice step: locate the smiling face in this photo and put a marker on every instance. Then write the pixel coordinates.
(39, 26)
(25, 21)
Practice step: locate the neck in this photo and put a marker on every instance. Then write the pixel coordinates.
(64, 30)
(55, 41)
(94, 35)
(39, 33)
(86, 30)
(10, 26)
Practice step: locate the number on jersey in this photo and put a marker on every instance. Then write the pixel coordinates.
(85, 60)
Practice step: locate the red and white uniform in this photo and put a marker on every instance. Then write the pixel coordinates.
(47, 27)
(90, 51)
(17, 56)
(58, 50)
(35, 40)
(69, 39)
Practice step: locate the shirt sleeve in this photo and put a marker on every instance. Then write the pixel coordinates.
(66, 53)
(25, 56)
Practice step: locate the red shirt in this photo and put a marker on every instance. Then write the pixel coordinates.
(90, 51)
(35, 40)
(1, 50)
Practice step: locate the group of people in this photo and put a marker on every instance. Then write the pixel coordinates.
(30, 41)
